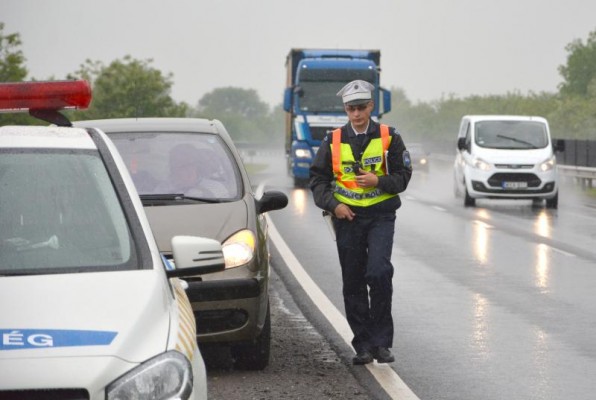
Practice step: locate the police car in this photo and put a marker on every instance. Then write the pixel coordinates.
(90, 309)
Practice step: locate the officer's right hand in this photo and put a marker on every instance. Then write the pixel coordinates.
(344, 211)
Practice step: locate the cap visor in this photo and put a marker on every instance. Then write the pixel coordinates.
(357, 102)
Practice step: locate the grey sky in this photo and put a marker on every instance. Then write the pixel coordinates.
(429, 48)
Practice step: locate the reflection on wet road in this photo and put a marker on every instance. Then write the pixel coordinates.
(491, 302)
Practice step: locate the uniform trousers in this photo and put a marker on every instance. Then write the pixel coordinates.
(364, 246)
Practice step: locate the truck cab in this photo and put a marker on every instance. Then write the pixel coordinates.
(314, 76)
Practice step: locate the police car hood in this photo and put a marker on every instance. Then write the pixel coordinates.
(122, 314)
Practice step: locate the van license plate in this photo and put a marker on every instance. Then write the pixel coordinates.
(515, 185)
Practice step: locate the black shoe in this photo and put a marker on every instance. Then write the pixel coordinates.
(383, 355)
(362, 357)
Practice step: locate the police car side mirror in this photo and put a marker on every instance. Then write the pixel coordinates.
(195, 255)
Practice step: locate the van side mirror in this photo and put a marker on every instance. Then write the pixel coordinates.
(461, 144)
(559, 145)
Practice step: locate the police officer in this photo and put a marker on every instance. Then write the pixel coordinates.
(356, 176)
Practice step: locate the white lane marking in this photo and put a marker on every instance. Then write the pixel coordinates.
(383, 373)
(566, 253)
(438, 208)
(482, 224)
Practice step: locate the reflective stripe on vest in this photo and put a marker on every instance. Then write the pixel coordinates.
(373, 160)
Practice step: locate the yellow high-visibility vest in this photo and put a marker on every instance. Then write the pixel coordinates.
(373, 160)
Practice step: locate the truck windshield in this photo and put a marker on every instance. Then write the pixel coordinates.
(59, 213)
(318, 88)
(520, 135)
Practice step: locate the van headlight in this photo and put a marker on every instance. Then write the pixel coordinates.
(548, 164)
(239, 249)
(481, 164)
(167, 376)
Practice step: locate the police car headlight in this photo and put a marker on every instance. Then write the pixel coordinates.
(302, 153)
(167, 376)
(239, 249)
(547, 165)
(481, 164)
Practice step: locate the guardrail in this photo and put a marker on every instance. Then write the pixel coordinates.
(580, 152)
(577, 162)
(584, 176)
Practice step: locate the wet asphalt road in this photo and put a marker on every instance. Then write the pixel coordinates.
(492, 302)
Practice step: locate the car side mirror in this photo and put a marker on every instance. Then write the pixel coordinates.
(288, 99)
(270, 201)
(559, 145)
(461, 144)
(298, 91)
(195, 255)
(386, 96)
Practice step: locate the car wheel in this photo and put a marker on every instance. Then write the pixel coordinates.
(254, 356)
(554, 202)
(456, 192)
(300, 182)
(469, 201)
(536, 203)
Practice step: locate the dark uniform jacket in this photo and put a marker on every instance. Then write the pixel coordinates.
(322, 179)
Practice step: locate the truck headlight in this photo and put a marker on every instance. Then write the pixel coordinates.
(302, 153)
(481, 164)
(548, 164)
(239, 248)
(167, 376)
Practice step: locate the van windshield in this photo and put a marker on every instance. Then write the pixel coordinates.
(516, 135)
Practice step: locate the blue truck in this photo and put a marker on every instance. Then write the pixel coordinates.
(314, 76)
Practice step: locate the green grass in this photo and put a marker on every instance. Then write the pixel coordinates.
(254, 168)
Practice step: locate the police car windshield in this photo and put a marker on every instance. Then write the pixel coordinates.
(59, 213)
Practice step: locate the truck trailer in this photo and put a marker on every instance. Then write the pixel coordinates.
(314, 76)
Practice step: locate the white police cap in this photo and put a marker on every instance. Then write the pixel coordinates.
(356, 92)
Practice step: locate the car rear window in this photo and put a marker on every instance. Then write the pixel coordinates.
(59, 212)
(193, 164)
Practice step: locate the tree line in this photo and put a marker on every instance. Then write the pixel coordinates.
(129, 87)
(571, 111)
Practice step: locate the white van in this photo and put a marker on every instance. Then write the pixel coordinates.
(505, 156)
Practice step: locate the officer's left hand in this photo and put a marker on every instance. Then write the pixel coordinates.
(367, 179)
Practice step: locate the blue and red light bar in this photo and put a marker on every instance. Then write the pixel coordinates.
(44, 95)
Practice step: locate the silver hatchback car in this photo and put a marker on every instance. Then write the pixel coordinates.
(192, 181)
